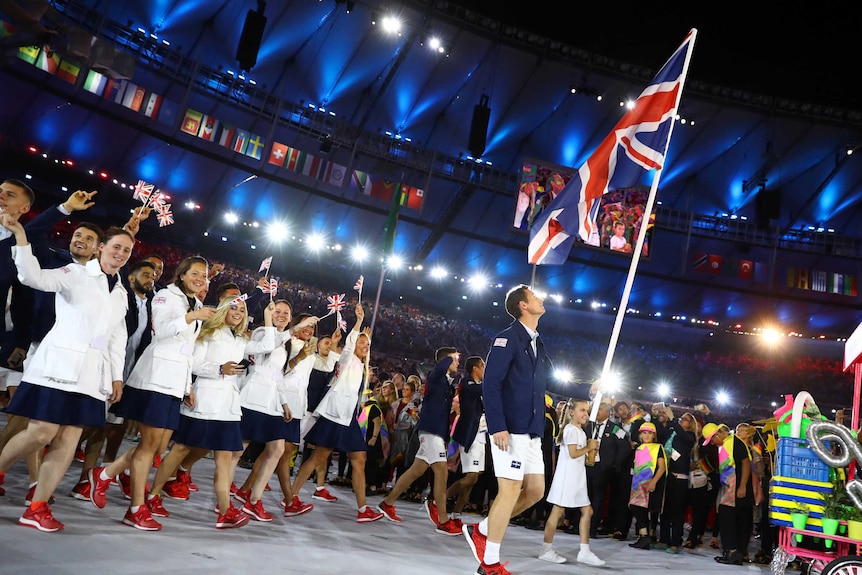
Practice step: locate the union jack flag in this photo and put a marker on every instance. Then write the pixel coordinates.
(342, 325)
(236, 300)
(637, 145)
(162, 207)
(336, 303)
(270, 287)
(142, 190)
(165, 218)
(359, 282)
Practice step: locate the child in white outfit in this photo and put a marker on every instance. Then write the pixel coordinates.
(569, 486)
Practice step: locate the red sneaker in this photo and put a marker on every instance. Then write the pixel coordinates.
(256, 511)
(450, 528)
(323, 494)
(233, 518)
(232, 488)
(81, 491)
(126, 484)
(155, 507)
(475, 540)
(267, 488)
(40, 518)
(80, 455)
(495, 569)
(297, 507)
(242, 495)
(157, 460)
(186, 478)
(368, 515)
(98, 486)
(431, 510)
(142, 519)
(2, 491)
(175, 489)
(388, 512)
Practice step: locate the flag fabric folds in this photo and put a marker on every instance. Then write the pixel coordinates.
(635, 146)
(264, 265)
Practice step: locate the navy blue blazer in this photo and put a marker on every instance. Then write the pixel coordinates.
(472, 409)
(132, 320)
(515, 383)
(437, 403)
(21, 309)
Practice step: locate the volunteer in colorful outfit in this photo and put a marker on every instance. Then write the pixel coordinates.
(736, 494)
(78, 366)
(648, 479)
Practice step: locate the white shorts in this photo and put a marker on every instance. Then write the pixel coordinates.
(432, 448)
(524, 457)
(473, 460)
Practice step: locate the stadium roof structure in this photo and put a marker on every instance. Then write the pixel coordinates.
(332, 102)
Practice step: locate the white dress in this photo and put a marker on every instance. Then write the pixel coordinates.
(569, 486)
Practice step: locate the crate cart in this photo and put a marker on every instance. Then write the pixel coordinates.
(802, 477)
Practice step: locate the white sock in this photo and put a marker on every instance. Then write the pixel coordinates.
(492, 553)
(318, 488)
(585, 547)
(134, 508)
(363, 508)
(483, 527)
(32, 484)
(455, 516)
(547, 547)
(104, 476)
(183, 469)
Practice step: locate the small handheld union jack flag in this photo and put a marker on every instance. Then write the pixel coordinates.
(165, 218)
(335, 304)
(142, 190)
(358, 287)
(235, 300)
(342, 325)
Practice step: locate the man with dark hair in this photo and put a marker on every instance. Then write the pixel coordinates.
(516, 376)
(16, 199)
(433, 430)
(471, 433)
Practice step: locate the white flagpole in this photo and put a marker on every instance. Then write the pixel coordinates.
(636, 256)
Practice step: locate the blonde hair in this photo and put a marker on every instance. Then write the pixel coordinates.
(217, 321)
(695, 426)
(566, 416)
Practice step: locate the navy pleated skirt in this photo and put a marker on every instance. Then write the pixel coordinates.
(209, 434)
(262, 427)
(327, 433)
(57, 406)
(148, 407)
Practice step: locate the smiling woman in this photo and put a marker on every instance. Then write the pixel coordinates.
(77, 367)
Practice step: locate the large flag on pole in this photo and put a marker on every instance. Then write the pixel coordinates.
(636, 145)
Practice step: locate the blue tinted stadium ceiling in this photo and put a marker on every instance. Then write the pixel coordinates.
(331, 83)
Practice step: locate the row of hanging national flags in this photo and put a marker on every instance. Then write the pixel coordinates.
(719, 265)
(153, 105)
(822, 281)
(46, 59)
(122, 92)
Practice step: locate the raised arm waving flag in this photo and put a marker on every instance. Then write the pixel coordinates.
(636, 145)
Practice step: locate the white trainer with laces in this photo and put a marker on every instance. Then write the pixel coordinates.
(551, 556)
(590, 558)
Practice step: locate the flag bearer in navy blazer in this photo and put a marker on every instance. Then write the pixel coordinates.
(516, 374)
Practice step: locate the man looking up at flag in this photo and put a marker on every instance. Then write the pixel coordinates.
(516, 374)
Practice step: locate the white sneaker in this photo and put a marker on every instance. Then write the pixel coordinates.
(551, 556)
(590, 558)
